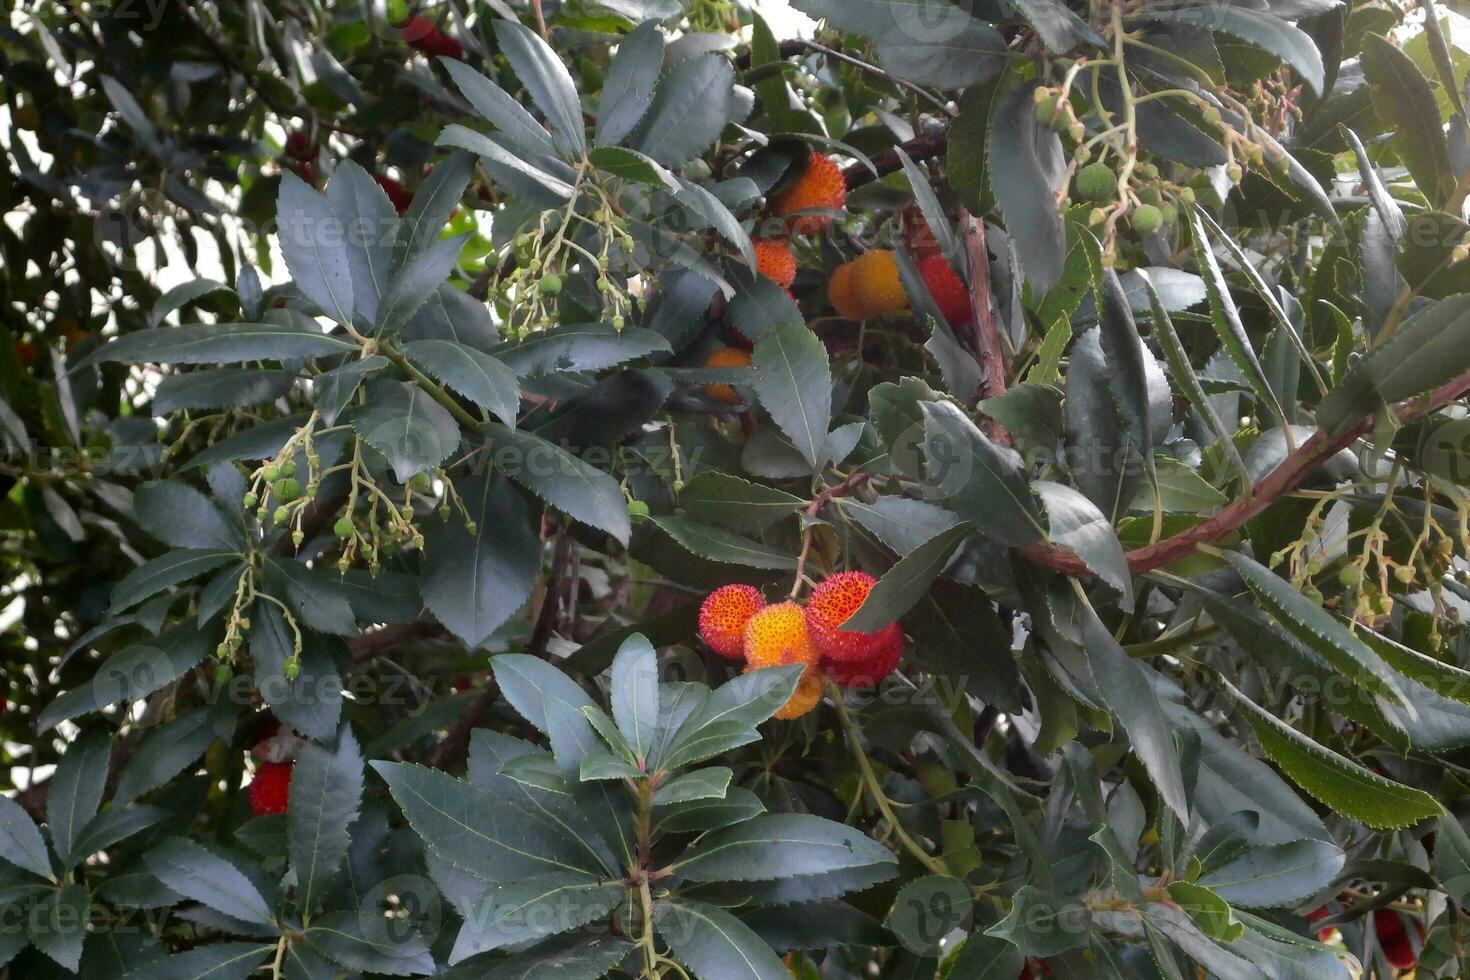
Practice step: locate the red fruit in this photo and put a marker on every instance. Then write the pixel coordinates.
(917, 235)
(724, 615)
(298, 147)
(424, 36)
(867, 673)
(270, 790)
(1398, 946)
(1316, 915)
(775, 260)
(835, 599)
(821, 187)
(948, 290)
(401, 198)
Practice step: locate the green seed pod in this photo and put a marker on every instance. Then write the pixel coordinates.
(251, 499)
(1049, 114)
(287, 488)
(282, 515)
(1351, 577)
(293, 668)
(1147, 219)
(344, 527)
(637, 509)
(1097, 182)
(550, 284)
(288, 468)
(1186, 195)
(270, 474)
(421, 482)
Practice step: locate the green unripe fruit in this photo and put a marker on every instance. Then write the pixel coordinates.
(1350, 577)
(1048, 113)
(1147, 219)
(251, 499)
(421, 482)
(287, 488)
(1404, 573)
(282, 515)
(1234, 172)
(344, 527)
(1148, 171)
(1170, 213)
(270, 474)
(288, 468)
(1186, 195)
(550, 284)
(637, 509)
(1097, 182)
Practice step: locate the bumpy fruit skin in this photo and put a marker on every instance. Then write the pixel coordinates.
(776, 636)
(1097, 182)
(871, 287)
(401, 198)
(775, 260)
(820, 188)
(867, 673)
(723, 358)
(808, 695)
(1147, 219)
(948, 290)
(723, 616)
(835, 599)
(421, 34)
(918, 237)
(270, 790)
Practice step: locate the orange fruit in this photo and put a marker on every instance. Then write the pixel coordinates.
(821, 187)
(775, 260)
(777, 635)
(808, 695)
(723, 616)
(831, 603)
(722, 358)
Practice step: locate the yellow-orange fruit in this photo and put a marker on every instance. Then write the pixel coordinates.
(821, 187)
(723, 616)
(808, 695)
(868, 672)
(723, 358)
(776, 635)
(839, 293)
(948, 290)
(835, 599)
(775, 260)
(875, 285)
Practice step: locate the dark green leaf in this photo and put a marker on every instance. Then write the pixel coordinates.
(326, 785)
(794, 384)
(714, 944)
(220, 343)
(208, 878)
(628, 90)
(407, 426)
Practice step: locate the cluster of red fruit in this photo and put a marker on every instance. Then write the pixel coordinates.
(736, 622)
(424, 36)
(270, 789)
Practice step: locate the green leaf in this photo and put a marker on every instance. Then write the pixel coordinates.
(571, 485)
(326, 786)
(779, 845)
(180, 516)
(702, 784)
(710, 813)
(490, 837)
(632, 165)
(794, 384)
(1452, 857)
(220, 388)
(379, 945)
(1042, 923)
(1266, 31)
(627, 92)
(985, 957)
(714, 944)
(370, 226)
(1337, 782)
(1429, 349)
(927, 910)
(1276, 875)
(182, 295)
(1075, 523)
(407, 426)
(547, 79)
(606, 766)
(688, 111)
(1225, 318)
(1027, 167)
(219, 343)
(415, 281)
(166, 571)
(736, 504)
(1209, 911)
(570, 957)
(509, 168)
(478, 376)
(1402, 94)
(1124, 685)
(311, 703)
(715, 544)
(1316, 628)
(57, 924)
(954, 60)
(984, 482)
(217, 961)
(903, 585)
(578, 347)
(164, 754)
(20, 840)
(75, 791)
(518, 912)
(209, 879)
(500, 109)
(432, 206)
(113, 825)
(635, 693)
(134, 672)
(314, 244)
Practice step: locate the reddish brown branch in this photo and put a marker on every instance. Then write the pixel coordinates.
(989, 348)
(920, 148)
(1285, 478)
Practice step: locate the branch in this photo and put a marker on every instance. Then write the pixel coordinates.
(988, 345)
(920, 148)
(1285, 478)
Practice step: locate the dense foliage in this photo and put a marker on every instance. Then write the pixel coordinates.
(976, 493)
